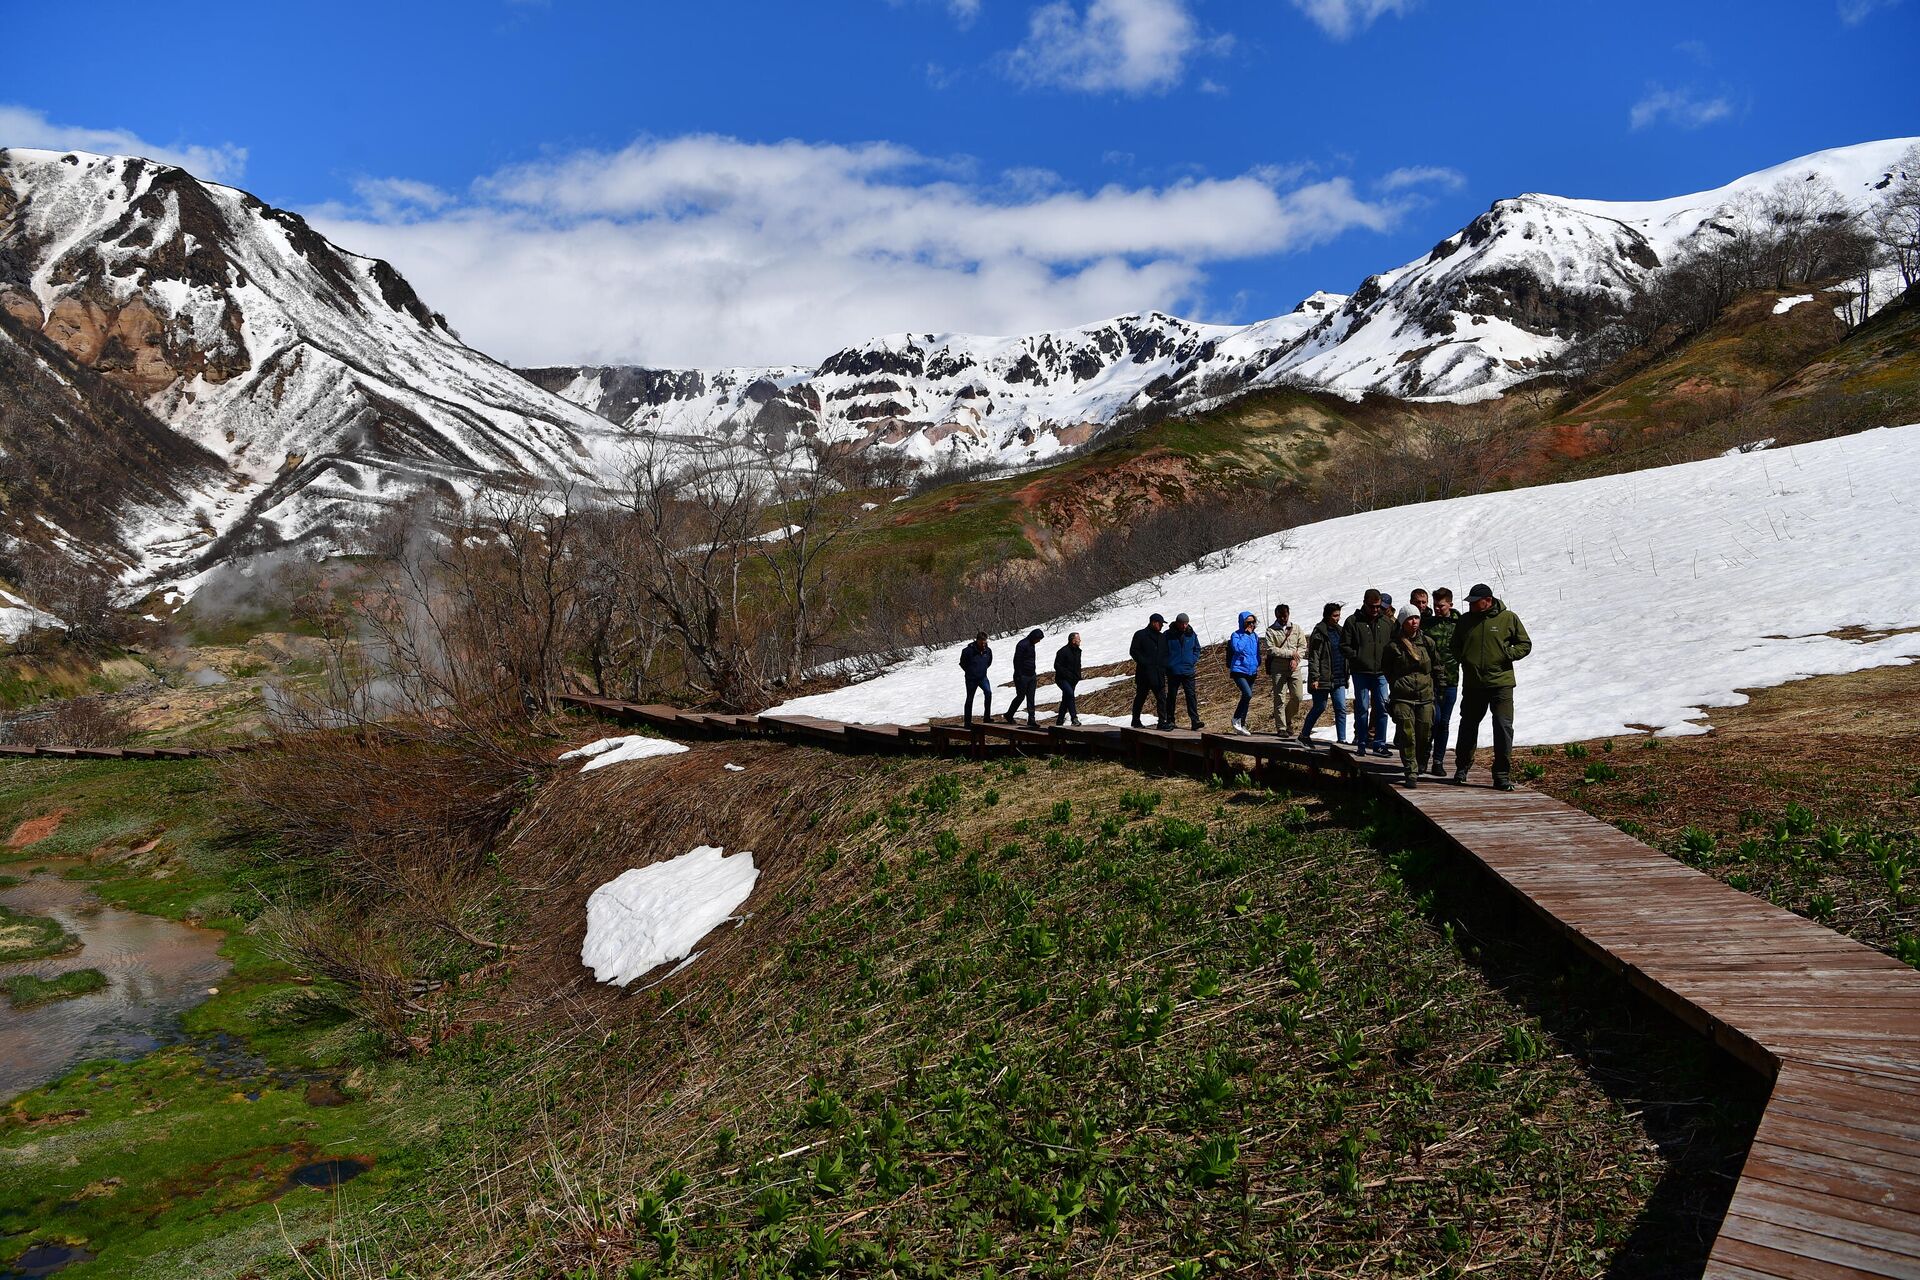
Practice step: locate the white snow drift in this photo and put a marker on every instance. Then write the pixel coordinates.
(608, 751)
(650, 915)
(1650, 596)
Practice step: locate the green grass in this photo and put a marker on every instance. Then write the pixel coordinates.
(24, 936)
(26, 990)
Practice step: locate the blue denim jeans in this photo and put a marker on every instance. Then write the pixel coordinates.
(1369, 710)
(1338, 696)
(1245, 684)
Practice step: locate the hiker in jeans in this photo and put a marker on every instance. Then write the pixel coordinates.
(1439, 627)
(974, 661)
(1326, 675)
(1286, 670)
(1243, 664)
(1489, 641)
(1365, 638)
(1066, 674)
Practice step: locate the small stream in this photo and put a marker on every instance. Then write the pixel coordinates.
(156, 969)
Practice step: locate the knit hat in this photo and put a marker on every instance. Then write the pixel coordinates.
(1181, 618)
(1406, 611)
(1481, 591)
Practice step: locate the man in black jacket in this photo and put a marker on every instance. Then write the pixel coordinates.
(1026, 676)
(1066, 674)
(974, 660)
(1149, 654)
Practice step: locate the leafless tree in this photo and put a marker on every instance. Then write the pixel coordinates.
(1896, 223)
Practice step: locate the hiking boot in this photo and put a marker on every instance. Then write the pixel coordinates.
(1305, 741)
(1460, 778)
(1076, 722)
(1504, 784)
(1136, 723)
(1198, 725)
(1412, 781)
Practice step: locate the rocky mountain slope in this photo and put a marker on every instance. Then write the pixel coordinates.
(1490, 306)
(301, 388)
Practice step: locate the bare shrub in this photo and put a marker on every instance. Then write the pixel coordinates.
(77, 722)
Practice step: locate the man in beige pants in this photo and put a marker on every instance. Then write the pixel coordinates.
(1287, 669)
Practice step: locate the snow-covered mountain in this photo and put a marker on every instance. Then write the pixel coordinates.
(1491, 305)
(316, 386)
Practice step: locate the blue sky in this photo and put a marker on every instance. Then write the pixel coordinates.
(761, 182)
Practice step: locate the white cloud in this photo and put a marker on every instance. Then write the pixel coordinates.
(1340, 19)
(1855, 12)
(1684, 108)
(707, 250)
(1125, 46)
(387, 198)
(1421, 175)
(25, 127)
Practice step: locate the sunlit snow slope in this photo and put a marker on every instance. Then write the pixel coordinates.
(1650, 596)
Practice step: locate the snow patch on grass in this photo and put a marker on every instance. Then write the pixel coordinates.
(648, 916)
(608, 751)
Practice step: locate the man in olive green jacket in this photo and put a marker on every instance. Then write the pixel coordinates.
(1489, 640)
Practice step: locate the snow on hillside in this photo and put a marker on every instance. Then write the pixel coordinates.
(317, 376)
(1490, 306)
(1651, 596)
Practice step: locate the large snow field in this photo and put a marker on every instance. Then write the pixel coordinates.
(1650, 596)
(645, 917)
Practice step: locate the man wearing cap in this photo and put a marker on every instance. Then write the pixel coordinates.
(974, 661)
(1488, 641)
(1364, 639)
(1183, 662)
(1286, 651)
(1149, 654)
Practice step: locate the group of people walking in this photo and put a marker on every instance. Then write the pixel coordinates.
(1413, 667)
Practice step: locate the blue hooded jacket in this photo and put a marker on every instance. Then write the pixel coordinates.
(1183, 651)
(1243, 650)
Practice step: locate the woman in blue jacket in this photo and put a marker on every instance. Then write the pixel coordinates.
(1243, 663)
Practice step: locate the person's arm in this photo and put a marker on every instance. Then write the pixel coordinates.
(1519, 644)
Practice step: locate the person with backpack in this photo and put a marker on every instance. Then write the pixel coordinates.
(1026, 676)
(1365, 638)
(1286, 651)
(1149, 654)
(1183, 667)
(1490, 639)
(974, 661)
(1243, 664)
(1408, 666)
(1066, 674)
(1326, 675)
(1439, 626)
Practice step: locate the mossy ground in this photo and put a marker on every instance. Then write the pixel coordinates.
(27, 990)
(1021, 1016)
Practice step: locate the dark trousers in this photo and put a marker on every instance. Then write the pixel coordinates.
(1023, 687)
(1443, 701)
(1069, 709)
(1191, 684)
(1150, 684)
(1369, 709)
(985, 690)
(1474, 704)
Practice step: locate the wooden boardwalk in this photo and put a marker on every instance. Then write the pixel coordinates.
(1831, 1185)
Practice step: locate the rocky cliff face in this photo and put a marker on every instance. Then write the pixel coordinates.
(302, 387)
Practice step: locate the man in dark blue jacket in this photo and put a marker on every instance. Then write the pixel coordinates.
(1183, 661)
(1026, 676)
(1149, 654)
(974, 660)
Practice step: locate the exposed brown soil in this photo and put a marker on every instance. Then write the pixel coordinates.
(34, 830)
